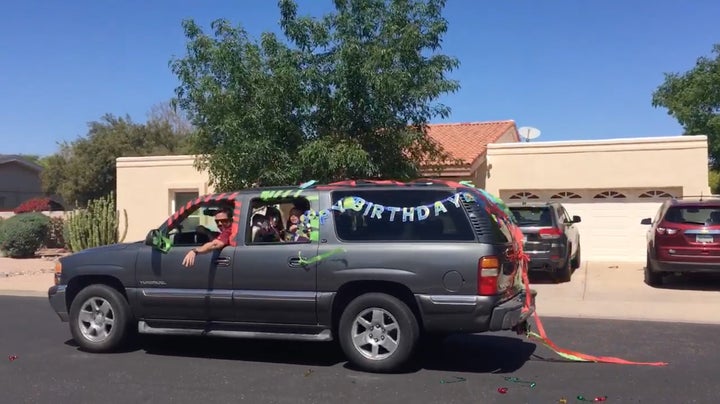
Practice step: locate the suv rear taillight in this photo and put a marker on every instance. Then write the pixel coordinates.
(666, 230)
(488, 271)
(550, 233)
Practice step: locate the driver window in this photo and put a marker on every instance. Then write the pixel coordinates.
(197, 226)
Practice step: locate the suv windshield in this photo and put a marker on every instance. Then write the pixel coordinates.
(705, 215)
(532, 216)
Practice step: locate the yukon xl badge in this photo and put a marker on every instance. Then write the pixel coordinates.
(156, 283)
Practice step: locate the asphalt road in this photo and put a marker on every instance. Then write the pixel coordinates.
(49, 369)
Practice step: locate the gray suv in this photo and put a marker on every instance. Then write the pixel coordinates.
(378, 266)
(551, 237)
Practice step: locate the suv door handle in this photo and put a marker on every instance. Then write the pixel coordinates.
(294, 261)
(222, 261)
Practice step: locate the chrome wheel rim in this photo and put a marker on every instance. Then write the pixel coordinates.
(96, 319)
(375, 333)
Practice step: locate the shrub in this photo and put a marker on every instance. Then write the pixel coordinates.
(94, 226)
(22, 235)
(38, 205)
(56, 233)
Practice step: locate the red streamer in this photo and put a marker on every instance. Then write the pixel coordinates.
(524, 259)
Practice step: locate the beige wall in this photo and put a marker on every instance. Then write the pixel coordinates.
(18, 183)
(660, 162)
(145, 188)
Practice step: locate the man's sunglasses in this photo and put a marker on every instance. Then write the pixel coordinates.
(222, 221)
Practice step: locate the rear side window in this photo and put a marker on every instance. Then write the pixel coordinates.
(450, 224)
(528, 216)
(705, 215)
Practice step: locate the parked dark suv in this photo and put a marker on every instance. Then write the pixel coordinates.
(683, 237)
(379, 264)
(552, 240)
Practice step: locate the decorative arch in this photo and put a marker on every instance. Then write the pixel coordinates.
(656, 193)
(566, 195)
(609, 195)
(524, 195)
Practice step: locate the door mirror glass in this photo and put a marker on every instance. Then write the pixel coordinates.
(576, 219)
(158, 241)
(647, 220)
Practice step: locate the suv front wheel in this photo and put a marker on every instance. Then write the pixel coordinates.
(378, 332)
(99, 318)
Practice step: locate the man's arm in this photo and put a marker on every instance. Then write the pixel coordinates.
(217, 244)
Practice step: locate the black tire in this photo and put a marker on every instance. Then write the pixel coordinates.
(394, 312)
(112, 305)
(577, 260)
(652, 278)
(564, 273)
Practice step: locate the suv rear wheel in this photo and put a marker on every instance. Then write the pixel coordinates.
(99, 318)
(652, 278)
(378, 332)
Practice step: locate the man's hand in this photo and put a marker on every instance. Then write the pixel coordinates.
(189, 259)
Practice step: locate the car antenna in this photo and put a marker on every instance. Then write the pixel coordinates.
(701, 196)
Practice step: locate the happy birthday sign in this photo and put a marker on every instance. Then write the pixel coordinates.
(391, 213)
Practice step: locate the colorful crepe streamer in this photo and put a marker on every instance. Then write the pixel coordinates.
(320, 257)
(496, 207)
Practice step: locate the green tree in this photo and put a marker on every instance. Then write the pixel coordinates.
(693, 98)
(84, 169)
(345, 95)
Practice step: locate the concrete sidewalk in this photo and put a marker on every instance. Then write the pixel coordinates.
(616, 290)
(609, 290)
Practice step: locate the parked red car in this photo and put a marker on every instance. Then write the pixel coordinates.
(684, 237)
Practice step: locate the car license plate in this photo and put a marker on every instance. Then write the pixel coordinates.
(703, 238)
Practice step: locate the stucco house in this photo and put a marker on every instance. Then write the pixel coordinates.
(612, 184)
(19, 181)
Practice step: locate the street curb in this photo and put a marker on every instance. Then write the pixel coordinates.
(23, 293)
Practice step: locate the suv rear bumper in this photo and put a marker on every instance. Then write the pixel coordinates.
(671, 266)
(56, 295)
(469, 314)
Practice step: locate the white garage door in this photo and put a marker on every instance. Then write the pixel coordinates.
(610, 229)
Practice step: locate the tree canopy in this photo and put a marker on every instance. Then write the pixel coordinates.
(693, 98)
(346, 95)
(84, 169)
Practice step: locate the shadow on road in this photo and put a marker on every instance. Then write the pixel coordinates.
(701, 282)
(459, 353)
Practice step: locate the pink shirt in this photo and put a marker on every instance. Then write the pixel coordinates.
(224, 236)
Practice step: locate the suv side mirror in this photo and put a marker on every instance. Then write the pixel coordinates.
(576, 219)
(158, 241)
(647, 220)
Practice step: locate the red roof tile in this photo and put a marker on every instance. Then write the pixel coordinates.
(467, 141)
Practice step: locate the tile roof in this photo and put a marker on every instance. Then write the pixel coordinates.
(468, 141)
(8, 158)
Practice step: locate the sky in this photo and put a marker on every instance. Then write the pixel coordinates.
(574, 69)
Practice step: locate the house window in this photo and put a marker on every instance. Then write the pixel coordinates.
(524, 195)
(609, 195)
(566, 195)
(656, 194)
(180, 199)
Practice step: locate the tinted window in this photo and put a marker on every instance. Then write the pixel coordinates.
(527, 216)
(449, 225)
(693, 215)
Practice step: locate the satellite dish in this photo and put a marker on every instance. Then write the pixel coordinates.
(527, 133)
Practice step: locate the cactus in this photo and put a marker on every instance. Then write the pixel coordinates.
(96, 225)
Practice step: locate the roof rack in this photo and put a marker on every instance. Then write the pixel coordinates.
(701, 197)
